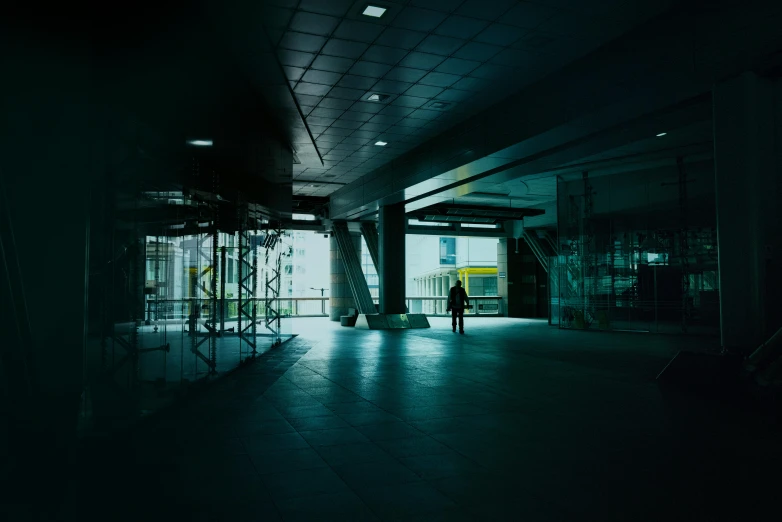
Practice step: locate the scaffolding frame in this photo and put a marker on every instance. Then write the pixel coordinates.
(211, 336)
(273, 318)
(248, 282)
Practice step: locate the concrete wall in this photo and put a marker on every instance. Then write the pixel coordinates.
(47, 162)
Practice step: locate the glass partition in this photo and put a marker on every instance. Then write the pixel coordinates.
(181, 305)
(637, 251)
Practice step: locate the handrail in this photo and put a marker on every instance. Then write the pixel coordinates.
(536, 249)
(550, 242)
(353, 270)
(293, 307)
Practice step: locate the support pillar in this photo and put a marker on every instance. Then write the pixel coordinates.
(340, 295)
(392, 258)
(502, 268)
(748, 211)
(446, 290)
(433, 281)
(438, 289)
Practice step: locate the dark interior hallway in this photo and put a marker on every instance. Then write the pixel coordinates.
(514, 421)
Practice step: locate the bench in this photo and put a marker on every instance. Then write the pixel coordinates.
(350, 318)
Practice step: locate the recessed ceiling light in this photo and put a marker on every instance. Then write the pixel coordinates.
(438, 105)
(374, 11)
(661, 134)
(381, 143)
(200, 143)
(376, 97)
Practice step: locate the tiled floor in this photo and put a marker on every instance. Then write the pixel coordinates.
(513, 421)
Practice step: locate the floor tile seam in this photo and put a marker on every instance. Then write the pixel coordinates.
(244, 376)
(389, 455)
(357, 492)
(265, 487)
(342, 387)
(416, 514)
(330, 467)
(430, 437)
(418, 478)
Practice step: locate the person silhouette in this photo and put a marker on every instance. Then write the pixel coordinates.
(457, 302)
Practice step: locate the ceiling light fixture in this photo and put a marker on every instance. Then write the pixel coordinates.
(200, 143)
(661, 134)
(438, 105)
(381, 143)
(374, 11)
(375, 97)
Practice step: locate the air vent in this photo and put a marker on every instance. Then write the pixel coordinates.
(378, 97)
(438, 105)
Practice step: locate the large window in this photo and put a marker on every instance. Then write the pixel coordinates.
(490, 286)
(447, 251)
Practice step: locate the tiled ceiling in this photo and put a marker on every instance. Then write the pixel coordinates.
(436, 61)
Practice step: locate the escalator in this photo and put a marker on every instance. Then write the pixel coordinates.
(372, 239)
(355, 275)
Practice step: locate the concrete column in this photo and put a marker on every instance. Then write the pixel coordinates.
(340, 294)
(442, 292)
(429, 308)
(748, 192)
(502, 268)
(433, 293)
(392, 258)
(446, 288)
(436, 282)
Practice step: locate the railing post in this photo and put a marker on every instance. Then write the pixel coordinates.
(295, 307)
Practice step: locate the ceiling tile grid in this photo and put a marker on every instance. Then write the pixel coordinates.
(434, 63)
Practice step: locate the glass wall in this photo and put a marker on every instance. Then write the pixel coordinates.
(180, 305)
(637, 251)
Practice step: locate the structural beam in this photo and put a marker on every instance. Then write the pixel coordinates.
(392, 259)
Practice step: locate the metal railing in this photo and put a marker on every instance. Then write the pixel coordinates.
(437, 305)
(179, 309)
(182, 309)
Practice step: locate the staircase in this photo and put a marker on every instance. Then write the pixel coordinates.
(356, 279)
(540, 249)
(371, 238)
